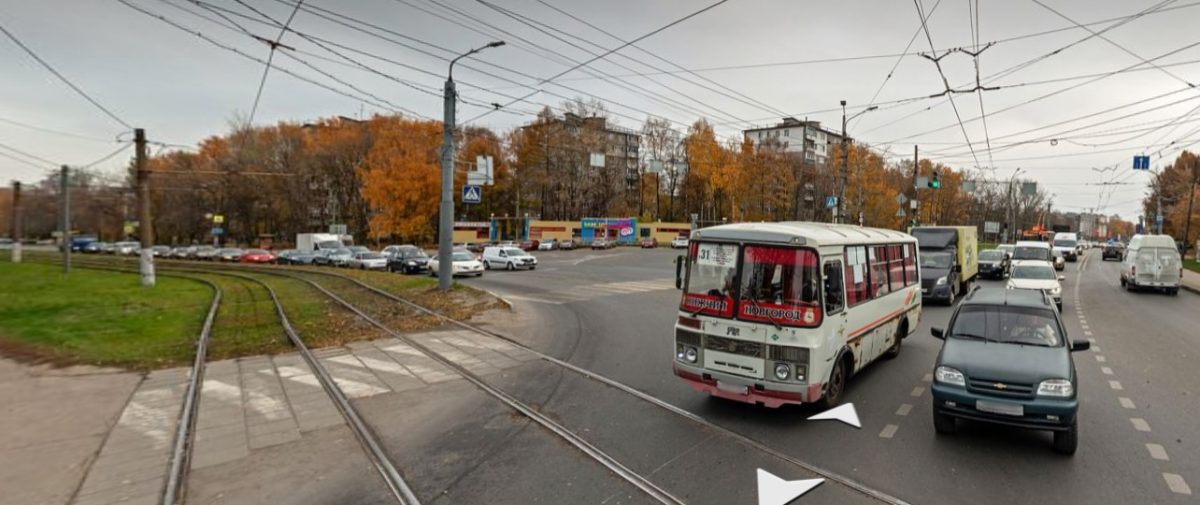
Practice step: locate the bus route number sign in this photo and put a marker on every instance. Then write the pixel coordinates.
(717, 255)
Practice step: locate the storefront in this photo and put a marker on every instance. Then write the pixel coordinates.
(472, 232)
(620, 230)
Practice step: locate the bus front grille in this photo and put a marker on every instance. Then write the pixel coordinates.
(740, 347)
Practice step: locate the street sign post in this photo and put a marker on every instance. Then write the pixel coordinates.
(472, 194)
(900, 198)
(830, 202)
(1141, 162)
(218, 231)
(991, 227)
(900, 212)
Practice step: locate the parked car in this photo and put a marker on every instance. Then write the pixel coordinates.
(336, 257)
(368, 261)
(649, 243)
(258, 256)
(129, 248)
(108, 248)
(550, 245)
(475, 247)
(530, 245)
(602, 243)
(1036, 275)
(680, 242)
(295, 257)
(462, 263)
(358, 248)
(506, 243)
(93, 247)
(993, 263)
(230, 254)
(1007, 360)
(205, 253)
(1114, 250)
(408, 259)
(180, 252)
(161, 251)
(567, 245)
(1060, 263)
(509, 258)
(1152, 261)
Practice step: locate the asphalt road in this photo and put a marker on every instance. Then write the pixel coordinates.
(612, 312)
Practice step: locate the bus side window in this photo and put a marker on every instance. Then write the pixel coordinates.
(833, 287)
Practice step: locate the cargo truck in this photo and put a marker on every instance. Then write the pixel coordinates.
(949, 258)
(314, 242)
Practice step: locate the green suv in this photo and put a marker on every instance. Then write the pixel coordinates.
(1007, 360)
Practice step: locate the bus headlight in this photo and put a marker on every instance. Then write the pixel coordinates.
(782, 371)
(690, 354)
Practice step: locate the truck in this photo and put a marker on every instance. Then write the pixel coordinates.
(949, 258)
(314, 242)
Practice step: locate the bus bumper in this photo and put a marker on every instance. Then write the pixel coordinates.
(746, 390)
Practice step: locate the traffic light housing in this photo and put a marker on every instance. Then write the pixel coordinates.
(934, 183)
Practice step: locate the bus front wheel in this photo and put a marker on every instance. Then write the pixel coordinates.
(836, 385)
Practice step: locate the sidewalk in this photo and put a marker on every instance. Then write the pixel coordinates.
(52, 425)
(1191, 281)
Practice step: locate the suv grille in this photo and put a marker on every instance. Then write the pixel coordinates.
(1001, 388)
(742, 347)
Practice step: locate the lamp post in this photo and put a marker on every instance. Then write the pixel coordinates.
(446, 212)
(846, 158)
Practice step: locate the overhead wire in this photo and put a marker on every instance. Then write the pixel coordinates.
(979, 86)
(901, 56)
(270, 56)
(945, 81)
(53, 131)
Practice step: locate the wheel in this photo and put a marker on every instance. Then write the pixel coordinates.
(894, 350)
(1122, 281)
(1065, 442)
(510, 266)
(1173, 291)
(836, 385)
(487, 265)
(362, 267)
(533, 267)
(944, 424)
(1059, 306)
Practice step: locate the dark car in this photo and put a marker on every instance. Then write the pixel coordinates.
(296, 257)
(993, 263)
(530, 245)
(649, 243)
(1114, 250)
(1007, 360)
(408, 259)
(939, 278)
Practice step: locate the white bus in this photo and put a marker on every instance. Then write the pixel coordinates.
(785, 313)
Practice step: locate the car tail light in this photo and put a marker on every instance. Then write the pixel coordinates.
(689, 322)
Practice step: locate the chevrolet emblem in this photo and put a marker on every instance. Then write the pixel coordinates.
(999, 385)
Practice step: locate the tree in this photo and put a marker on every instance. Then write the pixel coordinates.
(402, 179)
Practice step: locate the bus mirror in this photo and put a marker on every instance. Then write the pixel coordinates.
(679, 272)
(938, 332)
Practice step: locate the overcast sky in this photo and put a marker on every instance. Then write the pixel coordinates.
(182, 88)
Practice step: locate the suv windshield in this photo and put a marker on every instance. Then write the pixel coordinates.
(712, 271)
(1038, 272)
(938, 260)
(1032, 253)
(1007, 324)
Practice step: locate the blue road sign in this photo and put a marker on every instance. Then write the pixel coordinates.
(1141, 162)
(472, 194)
(218, 231)
(830, 202)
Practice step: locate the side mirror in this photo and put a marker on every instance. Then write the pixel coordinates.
(938, 333)
(1080, 345)
(958, 268)
(1062, 277)
(679, 272)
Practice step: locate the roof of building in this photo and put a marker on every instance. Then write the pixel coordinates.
(798, 232)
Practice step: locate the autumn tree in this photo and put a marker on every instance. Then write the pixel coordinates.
(402, 179)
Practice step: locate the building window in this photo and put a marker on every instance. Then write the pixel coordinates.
(785, 144)
(785, 133)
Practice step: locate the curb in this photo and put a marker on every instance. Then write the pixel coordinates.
(1190, 288)
(502, 299)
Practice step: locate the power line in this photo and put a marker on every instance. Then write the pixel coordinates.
(945, 81)
(271, 55)
(979, 86)
(107, 156)
(28, 155)
(27, 162)
(63, 78)
(900, 57)
(56, 132)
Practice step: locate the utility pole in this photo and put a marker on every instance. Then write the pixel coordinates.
(145, 228)
(16, 222)
(845, 167)
(65, 190)
(1187, 228)
(915, 206)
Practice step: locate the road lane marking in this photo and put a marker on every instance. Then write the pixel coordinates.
(1086, 328)
(904, 409)
(916, 392)
(1083, 322)
(1101, 358)
(1092, 340)
(1116, 385)
(889, 431)
(1087, 332)
(1126, 402)
(928, 377)
(1157, 452)
(1096, 348)
(1177, 484)
(1140, 424)
(1106, 370)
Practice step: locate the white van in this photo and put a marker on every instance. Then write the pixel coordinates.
(1067, 244)
(1032, 250)
(509, 258)
(1152, 261)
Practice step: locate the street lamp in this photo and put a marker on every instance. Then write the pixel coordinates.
(446, 212)
(846, 157)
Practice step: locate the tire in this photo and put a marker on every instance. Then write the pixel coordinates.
(1122, 281)
(487, 265)
(836, 386)
(533, 267)
(1059, 306)
(1065, 442)
(894, 350)
(510, 266)
(1173, 291)
(944, 424)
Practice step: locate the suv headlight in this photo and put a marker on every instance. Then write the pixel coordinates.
(1055, 291)
(941, 280)
(950, 376)
(1061, 388)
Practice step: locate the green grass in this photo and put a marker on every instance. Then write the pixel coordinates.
(97, 317)
(1192, 265)
(983, 246)
(246, 322)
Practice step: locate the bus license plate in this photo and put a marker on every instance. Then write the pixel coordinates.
(1006, 409)
(733, 388)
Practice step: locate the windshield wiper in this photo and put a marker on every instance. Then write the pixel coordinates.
(972, 336)
(765, 313)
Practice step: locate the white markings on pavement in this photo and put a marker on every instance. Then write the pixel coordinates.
(1096, 348)
(1101, 358)
(844, 413)
(889, 431)
(775, 491)
(927, 378)
(1140, 424)
(1116, 385)
(1157, 452)
(375, 364)
(1126, 402)
(916, 392)
(1176, 483)
(593, 291)
(1092, 340)
(1088, 333)
(904, 409)
(1106, 370)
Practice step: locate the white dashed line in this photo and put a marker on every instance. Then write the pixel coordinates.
(1085, 327)
(1157, 452)
(1088, 333)
(928, 377)
(917, 392)
(1140, 424)
(1116, 385)
(888, 431)
(1101, 358)
(1126, 402)
(1106, 370)
(904, 409)
(1177, 484)
(1083, 322)
(1092, 340)
(1096, 348)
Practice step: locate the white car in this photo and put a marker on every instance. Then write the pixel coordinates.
(1039, 275)
(463, 263)
(368, 261)
(508, 258)
(127, 248)
(680, 242)
(548, 245)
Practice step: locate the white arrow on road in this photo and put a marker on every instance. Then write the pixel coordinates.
(844, 413)
(775, 491)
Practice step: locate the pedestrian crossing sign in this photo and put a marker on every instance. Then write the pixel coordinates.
(472, 194)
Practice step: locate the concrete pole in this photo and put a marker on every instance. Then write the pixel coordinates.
(1187, 228)
(446, 212)
(145, 226)
(16, 222)
(845, 169)
(65, 194)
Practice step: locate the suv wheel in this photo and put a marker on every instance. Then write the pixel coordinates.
(1065, 442)
(944, 424)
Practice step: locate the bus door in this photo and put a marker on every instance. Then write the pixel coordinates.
(835, 297)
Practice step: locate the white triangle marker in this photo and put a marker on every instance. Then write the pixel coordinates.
(775, 491)
(844, 413)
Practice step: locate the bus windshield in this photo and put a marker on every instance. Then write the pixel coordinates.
(711, 279)
(780, 285)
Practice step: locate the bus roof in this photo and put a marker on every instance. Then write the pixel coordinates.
(801, 233)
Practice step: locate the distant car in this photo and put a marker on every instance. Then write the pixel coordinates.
(358, 248)
(649, 243)
(108, 248)
(1152, 262)
(295, 257)
(230, 254)
(551, 245)
(1114, 250)
(462, 263)
(602, 243)
(161, 251)
(506, 243)
(205, 253)
(94, 247)
(1007, 360)
(368, 261)
(993, 263)
(509, 258)
(408, 259)
(1060, 263)
(567, 245)
(476, 247)
(530, 245)
(7, 244)
(1008, 249)
(258, 256)
(334, 257)
(680, 242)
(178, 252)
(1037, 276)
(127, 248)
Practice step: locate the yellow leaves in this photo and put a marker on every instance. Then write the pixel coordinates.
(401, 178)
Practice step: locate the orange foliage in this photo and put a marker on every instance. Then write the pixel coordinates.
(402, 178)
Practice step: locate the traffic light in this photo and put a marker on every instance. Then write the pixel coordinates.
(934, 183)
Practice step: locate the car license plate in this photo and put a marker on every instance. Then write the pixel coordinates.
(1007, 409)
(733, 388)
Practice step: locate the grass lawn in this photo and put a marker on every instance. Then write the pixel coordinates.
(1192, 265)
(100, 318)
